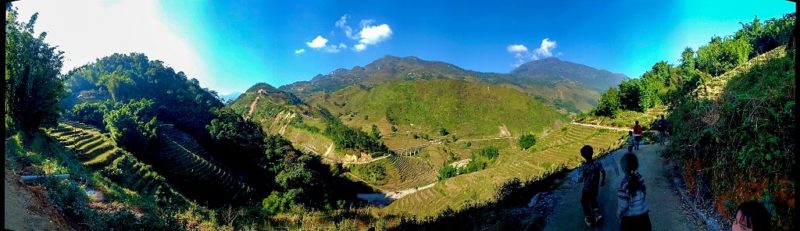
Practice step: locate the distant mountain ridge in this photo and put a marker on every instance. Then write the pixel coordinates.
(554, 69)
(572, 90)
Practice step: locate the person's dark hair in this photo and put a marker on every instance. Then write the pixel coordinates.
(755, 215)
(630, 132)
(586, 152)
(637, 122)
(630, 163)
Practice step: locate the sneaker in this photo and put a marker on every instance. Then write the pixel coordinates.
(588, 222)
(597, 215)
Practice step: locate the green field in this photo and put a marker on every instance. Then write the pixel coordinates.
(98, 152)
(556, 148)
(464, 109)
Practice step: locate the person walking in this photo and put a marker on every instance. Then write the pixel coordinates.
(632, 197)
(637, 134)
(593, 176)
(662, 130)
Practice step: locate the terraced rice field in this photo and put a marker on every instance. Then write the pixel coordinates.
(99, 152)
(187, 166)
(404, 172)
(551, 151)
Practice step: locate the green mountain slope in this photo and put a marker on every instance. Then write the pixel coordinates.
(552, 69)
(568, 90)
(463, 108)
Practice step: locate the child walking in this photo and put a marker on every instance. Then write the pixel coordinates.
(632, 196)
(593, 176)
(630, 141)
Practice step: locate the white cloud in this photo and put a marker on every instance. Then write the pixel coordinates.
(299, 51)
(348, 31)
(88, 30)
(522, 54)
(517, 48)
(359, 47)
(318, 42)
(371, 35)
(545, 48)
(367, 36)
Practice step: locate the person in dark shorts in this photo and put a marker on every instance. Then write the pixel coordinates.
(632, 196)
(637, 135)
(752, 216)
(593, 176)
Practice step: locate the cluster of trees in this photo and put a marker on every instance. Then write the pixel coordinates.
(481, 159)
(527, 141)
(33, 85)
(132, 125)
(121, 77)
(665, 84)
(351, 138)
(286, 177)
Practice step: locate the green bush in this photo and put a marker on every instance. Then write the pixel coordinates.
(527, 141)
(133, 125)
(370, 172)
(90, 113)
(447, 171)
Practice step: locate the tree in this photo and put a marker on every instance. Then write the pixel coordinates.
(609, 103)
(526, 141)
(90, 113)
(33, 85)
(688, 59)
(630, 95)
(375, 132)
(133, 125)
(443, 132)
(241, 141)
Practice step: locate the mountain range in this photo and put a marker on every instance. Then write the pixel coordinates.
(568, 86)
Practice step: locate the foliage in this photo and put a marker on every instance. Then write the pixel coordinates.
(481, 159)
(749, 133)
(91, 113)
(132, 125)
(464, 108)
(33, 86)
(370, 172)
(345, 137)
(447, 171)
(721, 55)
(375, 132)
(527, 141)
(240, 140)
(443, 132)
(609, 103)
(277, 202)
(176, 99)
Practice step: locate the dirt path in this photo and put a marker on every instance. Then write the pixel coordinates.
(604, 127)
(24, 209)
(666, 210)
(253, 106)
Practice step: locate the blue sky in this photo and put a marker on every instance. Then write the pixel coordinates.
(230, 46)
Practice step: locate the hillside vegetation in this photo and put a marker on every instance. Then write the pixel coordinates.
(462, 108)
(731, 105)
(558, 85)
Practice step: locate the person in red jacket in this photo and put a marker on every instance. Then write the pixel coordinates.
(637, 135)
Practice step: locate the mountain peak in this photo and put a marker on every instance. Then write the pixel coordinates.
(554, 69)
